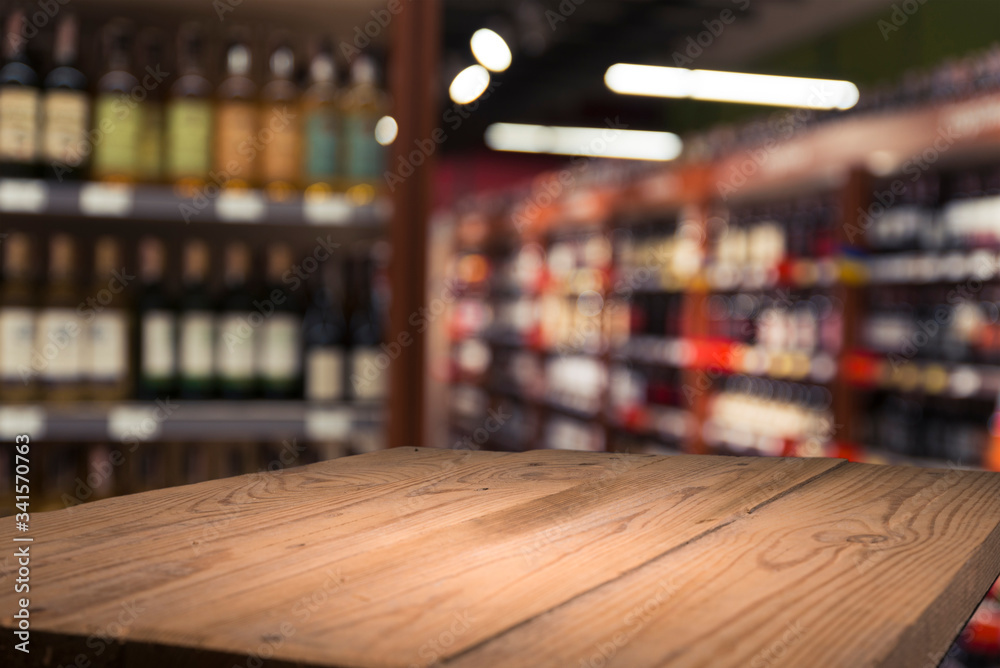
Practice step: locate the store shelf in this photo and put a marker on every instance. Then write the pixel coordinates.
(156, 203)
(165, 420)
(936, 378)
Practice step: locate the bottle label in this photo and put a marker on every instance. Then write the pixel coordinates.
(364, 154)
(59, 340)
(282, 155)
(157, 340)
(109, 346)
(196, 344)
(368, 379)
(280, 347)
(116, 137)
(66, 122)
(234, 348)
(235, 129)
(151, 141)
(325, 374)
(321, 146)
(19, 130)
(189, 125)
(17, 338)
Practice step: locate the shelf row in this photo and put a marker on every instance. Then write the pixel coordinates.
(168, 420)
(165, 204)
(861, 369)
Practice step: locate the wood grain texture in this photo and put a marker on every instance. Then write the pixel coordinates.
(412, 557)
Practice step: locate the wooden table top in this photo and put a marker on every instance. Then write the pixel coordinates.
(414, 557)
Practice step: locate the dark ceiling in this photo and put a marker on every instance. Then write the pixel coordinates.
(563, 47)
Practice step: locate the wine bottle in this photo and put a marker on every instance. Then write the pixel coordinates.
(321, 165)
(150, 166)
(107, 316)
(236, 117)
(116, 111)
(368, 378)
(19, 102)
(17, 321)
(157, 363)
(281, 159)
(281, 332)
(235, 330)
(61, 335)
(325, 335)
(189, 115)
(364, 104)
(66, 109)
(196, 323)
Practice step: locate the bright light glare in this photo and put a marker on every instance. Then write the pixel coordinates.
(490, 50)
(596, 142)
(386, 130)
(469, 84)
(731, 87)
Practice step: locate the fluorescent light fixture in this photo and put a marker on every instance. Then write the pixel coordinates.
(469, 84)
(731, 87)
(386, 130)
(595, 142)
(490, 50)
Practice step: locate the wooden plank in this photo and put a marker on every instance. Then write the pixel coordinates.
(863, 566)
(309, 566)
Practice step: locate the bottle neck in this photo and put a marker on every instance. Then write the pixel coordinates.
(107, 259)
(238, 61)
(15, 40)
(65, 51)
(282, 64)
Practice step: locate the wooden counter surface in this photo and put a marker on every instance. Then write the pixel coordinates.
(475, 559)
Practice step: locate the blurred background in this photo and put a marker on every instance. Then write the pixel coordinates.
(245, 235)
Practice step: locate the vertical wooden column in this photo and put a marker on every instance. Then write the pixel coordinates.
(695, 326)
(856, 194)
(413, 70)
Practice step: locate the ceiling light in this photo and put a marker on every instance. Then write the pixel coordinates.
(595, 142)
(469, 84)
(386, 130)
(490, 50)
(731, 87)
